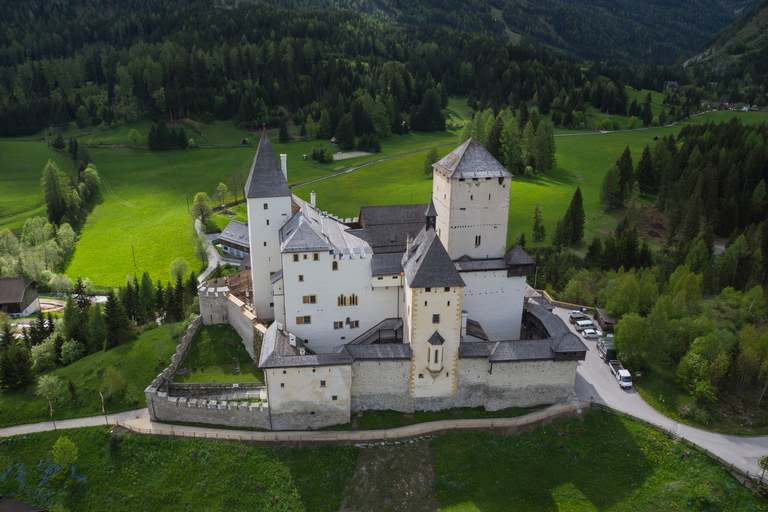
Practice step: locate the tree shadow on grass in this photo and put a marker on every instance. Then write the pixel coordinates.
(595, 463)
(554, 178)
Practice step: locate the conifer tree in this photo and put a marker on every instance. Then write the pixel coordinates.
(97, 327)
(345, 132)
(577, 217)
(55, 192)
(644, 172)
(116, 320)
(160, 299)
(16, 368)
(283, 135)
(539, 231)
(183, 142)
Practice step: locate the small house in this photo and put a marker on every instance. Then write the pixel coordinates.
(604, 320)
(18, 296)
(235, 240)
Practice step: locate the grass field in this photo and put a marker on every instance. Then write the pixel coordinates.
(144, 193)
(138, 361)
(212, 356)
(595, 463)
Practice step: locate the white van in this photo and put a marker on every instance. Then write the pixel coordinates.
(585, 324)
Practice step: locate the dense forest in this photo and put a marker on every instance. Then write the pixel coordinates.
(263, 65)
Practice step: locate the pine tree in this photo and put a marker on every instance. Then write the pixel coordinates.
(58, 142)
(191, 288)
(539, 231)
(160, 299)
(594, 254)
(152, 138)
(118, 326)
(325, 128)
(493, 143)
(97, 327)
(431, 158)
(511, 146)
(577, 217)
(283, 135)
(16, 368)
(345, 132)
(183, 142)
(55, 192)
(147, 297)
(644, 172)
(73, 326)
(466, 131)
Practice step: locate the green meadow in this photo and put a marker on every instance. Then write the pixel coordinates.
(138, 362)
(596, 462)
(144, 194)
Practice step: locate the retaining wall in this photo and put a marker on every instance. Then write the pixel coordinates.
(215, 412)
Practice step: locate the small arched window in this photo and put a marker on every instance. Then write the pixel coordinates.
(353, 300)
(335, 265)
(341, 300)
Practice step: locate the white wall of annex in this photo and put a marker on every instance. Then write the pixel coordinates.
(495, 301)
(352, 277)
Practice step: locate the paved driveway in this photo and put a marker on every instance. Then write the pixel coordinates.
(594, 381)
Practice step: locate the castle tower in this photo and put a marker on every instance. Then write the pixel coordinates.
(269, 208)
(470, 191)
(432, 322)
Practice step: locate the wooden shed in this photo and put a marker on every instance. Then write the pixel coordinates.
(604, 320)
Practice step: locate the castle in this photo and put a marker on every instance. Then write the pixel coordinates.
(408, 307)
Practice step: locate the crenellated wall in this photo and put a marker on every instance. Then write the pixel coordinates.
(215, 412)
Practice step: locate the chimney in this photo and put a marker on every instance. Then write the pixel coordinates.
(292, 337)
(302, 351)
(312, 198)
(408, 245)
(463, 324)
(284, 165)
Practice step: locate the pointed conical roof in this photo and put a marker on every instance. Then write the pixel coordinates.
(266, 177)
(431, 210)
(471, 160)
(429, 263)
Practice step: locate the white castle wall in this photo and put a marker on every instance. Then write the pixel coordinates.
(526, 383)
(353, 276)
(309, 397)
(381, 385)
(496, 302)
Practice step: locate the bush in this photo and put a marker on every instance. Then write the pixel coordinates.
(49, 386)
(44, 356)
(64, 452)
(606, 125)
(71, 351)
(529, 172)
(114, 382)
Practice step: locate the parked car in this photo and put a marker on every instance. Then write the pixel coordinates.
(591, 334)
(575, 316)
(605, 349)
(622, 375)
(585, 324)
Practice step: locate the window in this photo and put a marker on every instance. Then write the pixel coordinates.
(300, 320)
(447, 289)
(315, 256)
(295, 257)
(421, 375)
(265, 244)
(353, 300)
(437, 354)
(313, 370)
(301, 278)
(334, 397)
(489, 197)
(305, 256)
(282, 384)
(338, 325)
(310, 299)
(427, 289)
(266, 206)
(322, 383)
(284, 372)
(471, 197)
(381, 278)
(477, 241)
(267, 222)
(435, 319)
(449, 303)
(335, 265)
(354, 324)
(341, 300)
(425, 303)
(271, 304)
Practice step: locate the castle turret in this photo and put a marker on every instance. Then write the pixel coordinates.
(269, 208)
(432, 322)
(470, 192)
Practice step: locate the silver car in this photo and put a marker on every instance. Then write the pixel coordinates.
(591, 334)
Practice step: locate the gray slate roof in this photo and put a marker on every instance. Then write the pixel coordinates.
(277, 352)
(518, 256)
(379, 351)
(12, 289)
(266, 177)
(479, 349)
(471, 160)
(429, 264)
(386, 264)
(522, 350)
(385, 228)
(235, 232)
(312, 230)
(436, 339)
(431, 210)
(276, 276)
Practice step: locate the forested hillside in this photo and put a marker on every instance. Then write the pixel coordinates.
(614, 31)
(258, 65)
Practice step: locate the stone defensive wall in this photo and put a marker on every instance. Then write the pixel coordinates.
(239, 405)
